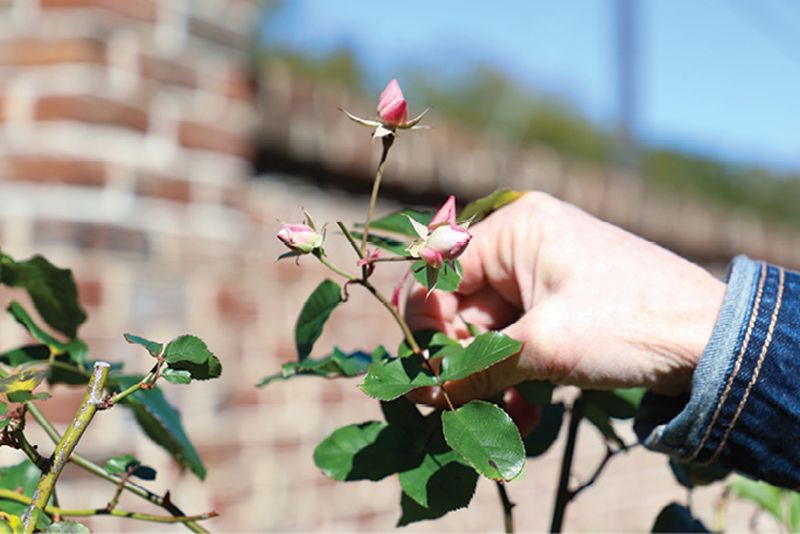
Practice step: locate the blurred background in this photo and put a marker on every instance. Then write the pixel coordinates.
(152, 146)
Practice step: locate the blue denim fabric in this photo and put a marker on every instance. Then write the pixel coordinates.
(744, 408)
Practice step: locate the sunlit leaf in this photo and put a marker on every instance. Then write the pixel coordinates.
(387, 380)
(76, 349)
(152, 347)
(190, 353)
(366, 451)
(485, 350)
(478, 209)
(486, 437)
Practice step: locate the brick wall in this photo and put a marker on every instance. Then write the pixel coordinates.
(126, 134)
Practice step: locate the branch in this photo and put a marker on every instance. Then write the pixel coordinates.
(508, 506)
(11, 495)
(70, 439)
(84, 463)
(563, 493)
(376, 185)
(610, 453)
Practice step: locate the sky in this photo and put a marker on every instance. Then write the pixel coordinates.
(714, 77)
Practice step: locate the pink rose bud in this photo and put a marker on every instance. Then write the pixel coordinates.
(446, 242)
(446, 214)
(392, 106)
(301, 238)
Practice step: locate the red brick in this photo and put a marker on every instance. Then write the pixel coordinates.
(28, 51)
(55, 169)
(174, 189)
(135, 9)
(203, 137)
(167, 71)
(240, 85)
(91, 109)
(206, 29)
(235, 304)
(90, 292)
(91, 236)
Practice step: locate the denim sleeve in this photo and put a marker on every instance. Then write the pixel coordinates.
(743, 411)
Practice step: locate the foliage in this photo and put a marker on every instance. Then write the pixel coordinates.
(61, 357)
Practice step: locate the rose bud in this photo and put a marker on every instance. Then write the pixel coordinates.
(392, 106)
(392, 114)
(444, 243)
(443, 239)
(301, 238)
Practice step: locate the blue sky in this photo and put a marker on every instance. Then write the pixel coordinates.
(717, 77)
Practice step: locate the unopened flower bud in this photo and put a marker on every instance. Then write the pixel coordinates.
(445, 243)
(301, 238)
(392, 106)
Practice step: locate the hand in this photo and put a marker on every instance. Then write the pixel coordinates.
(594, 305)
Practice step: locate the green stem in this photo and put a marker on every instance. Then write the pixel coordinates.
(412, 343)
(30, 451)
(148, 379)
(88, 465)
(407, 334)
(350, 239)
(376, 185)
(563, 494)
(394, 258)
(70, 439)
(334, 268)
(11, 495)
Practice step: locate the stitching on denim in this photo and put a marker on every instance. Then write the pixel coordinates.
(737, 365)
(764, 348)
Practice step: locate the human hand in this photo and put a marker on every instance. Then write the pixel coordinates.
(594, 305)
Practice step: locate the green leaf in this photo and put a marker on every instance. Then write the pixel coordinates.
(67, 527)
(152, 347)
(765, 496)
(386, 243)
(485, 350)
(546, 432)
(691, 475)
(25, 396)
(26, 380)
(190, 353)
(441, 484)
(52, 290)
(477, 210)
(447, 278)
(23, 476)
(366, 451)
(312, 317)
(600, 419)
(794, 511)
(677, 518)
(618, 403)
(121, 464)
(174, 376)
(161, 422)
(442, 481)
(62, 370)
(487, 438)
(389, 379)
(397, 222)
(536, 391)
(336, 364)
(75, 348)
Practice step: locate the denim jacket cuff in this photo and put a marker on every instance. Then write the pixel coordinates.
(692, 427)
